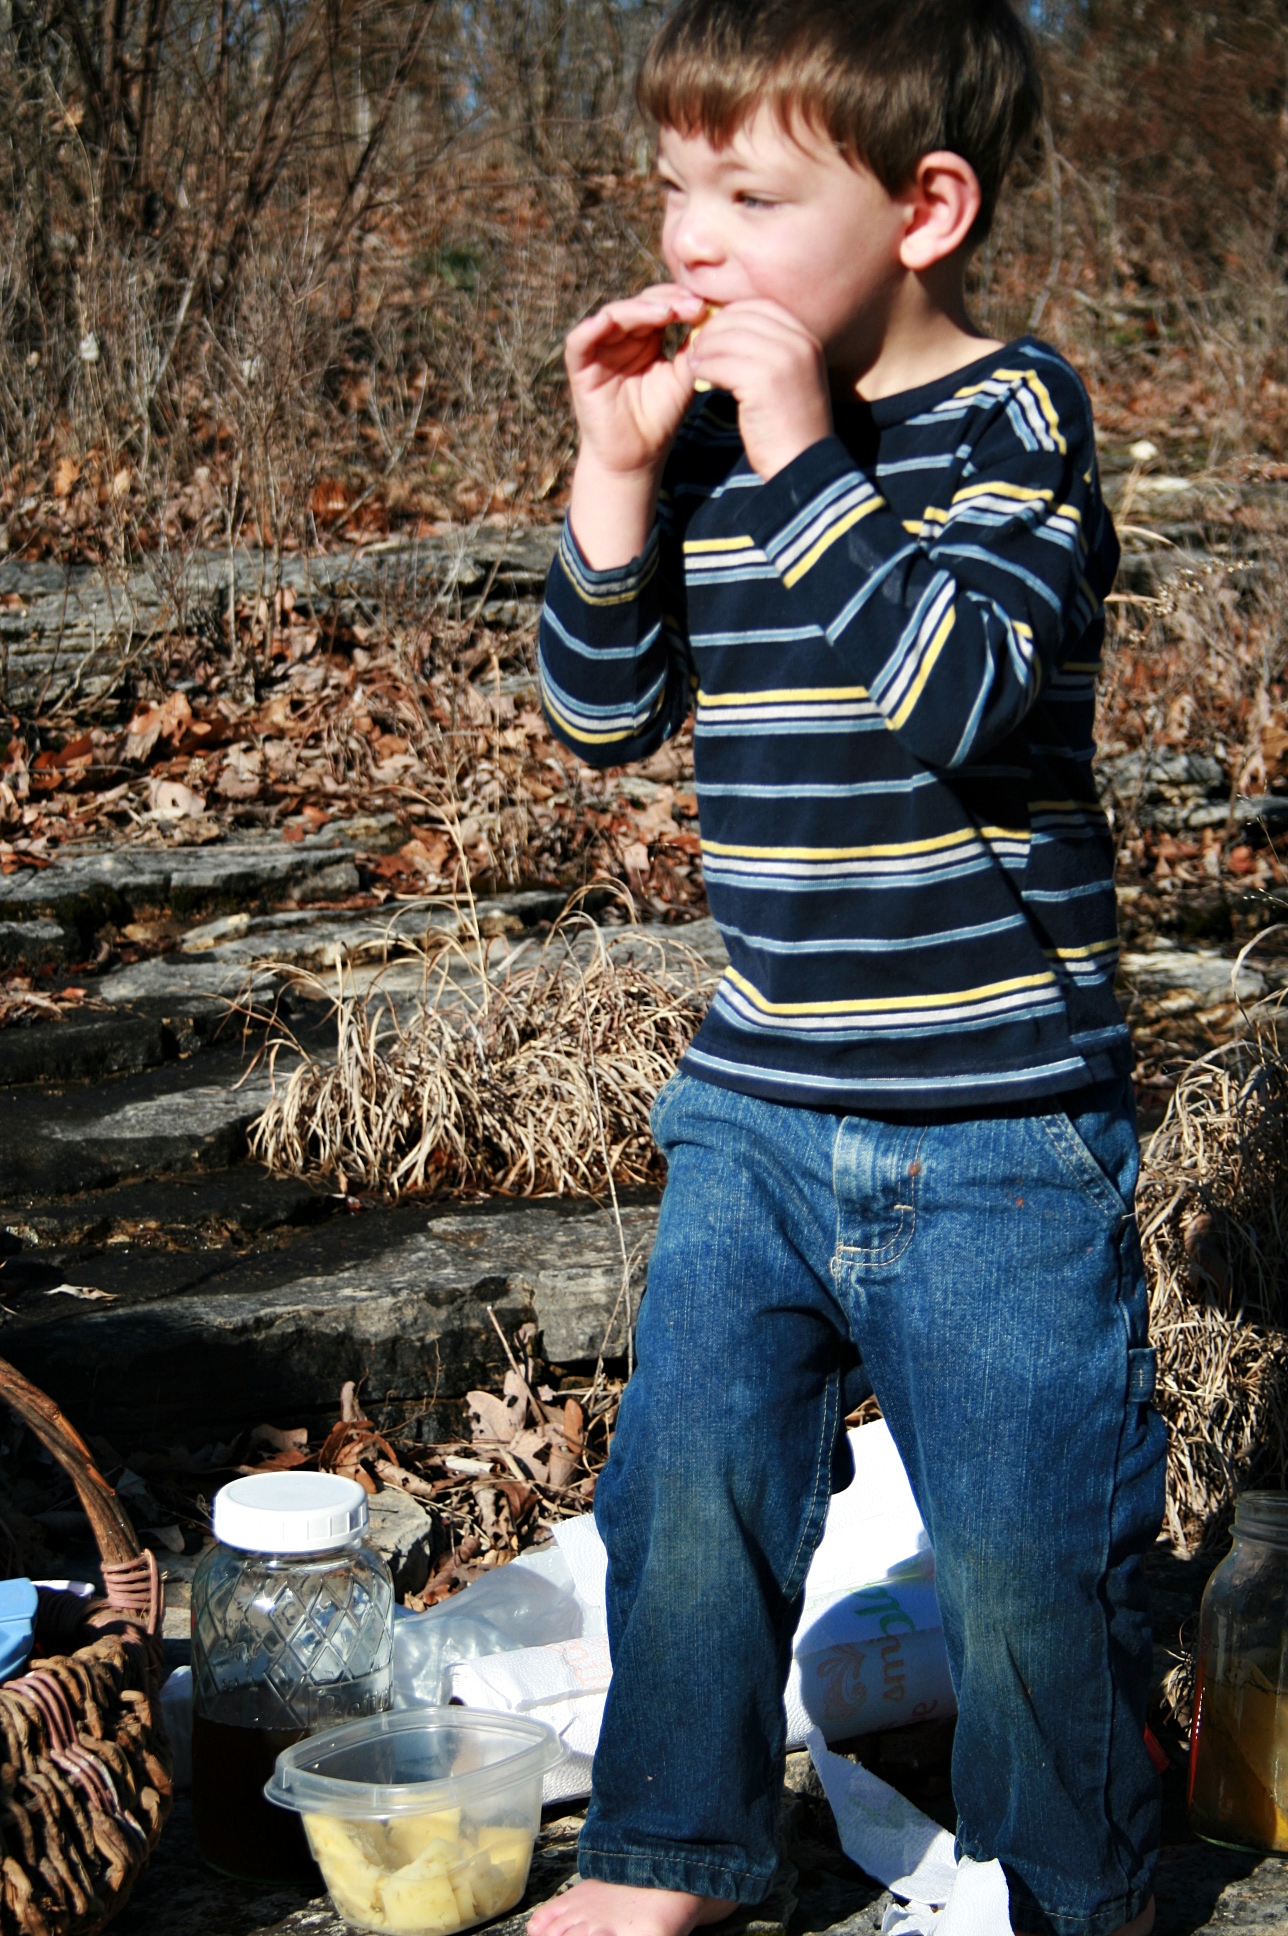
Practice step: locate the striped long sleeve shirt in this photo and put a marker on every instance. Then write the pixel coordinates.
(892, 648)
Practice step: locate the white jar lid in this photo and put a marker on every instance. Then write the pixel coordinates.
(289, 1512)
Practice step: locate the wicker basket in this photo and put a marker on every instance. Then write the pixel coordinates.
(84, 1762)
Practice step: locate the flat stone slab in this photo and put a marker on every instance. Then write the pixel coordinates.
(183, 1115)
(173, 1213)
(1199, 1889)
(68, 634)
(32, 944)
(88, 1044)
(1195, 1893)
(1220, 1889)
(319, 938)
(1201, 972)
(85, 887)
(179, 979)
(199, 1342)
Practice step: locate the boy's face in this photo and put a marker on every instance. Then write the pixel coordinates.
(786, 218)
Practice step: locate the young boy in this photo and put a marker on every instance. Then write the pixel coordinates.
(872, 552)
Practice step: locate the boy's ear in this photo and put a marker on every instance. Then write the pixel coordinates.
(942, 200)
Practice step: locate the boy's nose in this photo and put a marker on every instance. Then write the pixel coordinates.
(695, 238)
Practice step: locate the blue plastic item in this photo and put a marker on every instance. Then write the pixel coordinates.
(17, 1619)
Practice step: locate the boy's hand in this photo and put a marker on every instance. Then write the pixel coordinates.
(628, 398)
(774, 367)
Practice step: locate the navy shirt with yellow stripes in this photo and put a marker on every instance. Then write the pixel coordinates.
(892, 649)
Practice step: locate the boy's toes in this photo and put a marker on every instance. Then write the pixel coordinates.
(552, 1918)
(593, 1908)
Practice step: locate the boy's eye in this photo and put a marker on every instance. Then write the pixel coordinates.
(746, 200)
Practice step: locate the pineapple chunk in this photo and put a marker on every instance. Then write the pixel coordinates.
(466, 1909)
(492, 1889)
(509, 1848)
(418, 1900)
(350, 1876)
(407, 1835)
(422, 1875)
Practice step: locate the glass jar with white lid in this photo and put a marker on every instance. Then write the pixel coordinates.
(292, 1631)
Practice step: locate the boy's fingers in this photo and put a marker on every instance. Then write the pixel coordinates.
(652, 309)
(748, 307)
(752, 323)
(752, 344)
(675, 292)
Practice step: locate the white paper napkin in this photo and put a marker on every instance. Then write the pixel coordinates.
(896, 1844)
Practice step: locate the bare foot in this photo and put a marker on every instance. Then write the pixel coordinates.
(1138, 1926)
(594, 1908)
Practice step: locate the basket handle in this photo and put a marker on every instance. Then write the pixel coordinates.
(117, 1541)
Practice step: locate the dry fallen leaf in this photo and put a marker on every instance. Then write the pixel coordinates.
(66, 476)
(278, 1462)
(294, 1439)
(401, 1480)
(172, 800)
(353, 1446)
(490, 1417)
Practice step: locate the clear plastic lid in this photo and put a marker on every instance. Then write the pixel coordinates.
(289, 1512)
(412, 1762)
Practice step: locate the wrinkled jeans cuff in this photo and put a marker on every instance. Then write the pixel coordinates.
(1027, 1913)
(662, 1866)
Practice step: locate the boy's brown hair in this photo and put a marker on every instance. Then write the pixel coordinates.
(887, 80)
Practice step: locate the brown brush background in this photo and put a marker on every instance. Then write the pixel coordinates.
(299, 275)
(265, 270)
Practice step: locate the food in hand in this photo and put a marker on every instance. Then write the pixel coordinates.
(419, 1875)
(702, 383)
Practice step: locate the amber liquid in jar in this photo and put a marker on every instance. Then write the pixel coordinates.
(238, 1832)
(1239, 1759)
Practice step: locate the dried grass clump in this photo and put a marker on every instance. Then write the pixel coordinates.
(537, 1083)
(1211, 1207)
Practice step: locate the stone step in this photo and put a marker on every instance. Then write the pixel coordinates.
(86, 886)
(124, 1038)
(172, 1213)
(67, 635)
(182, 1115)
(32, 944)
(199, 1341)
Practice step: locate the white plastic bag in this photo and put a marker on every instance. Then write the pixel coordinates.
(529, 1603)
(564, 1685)
(176, 1712)
(915, 1858)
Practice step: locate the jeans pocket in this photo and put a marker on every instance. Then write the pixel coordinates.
(1081, 1161)
(662, 1102)
(876, 1173)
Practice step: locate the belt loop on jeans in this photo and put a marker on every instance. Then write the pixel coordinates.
(1141, 1373)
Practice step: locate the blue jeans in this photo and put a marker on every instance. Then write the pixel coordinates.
(987, 1274)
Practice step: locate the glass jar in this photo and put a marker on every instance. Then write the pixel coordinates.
(1239, 1736)
(292, 1630)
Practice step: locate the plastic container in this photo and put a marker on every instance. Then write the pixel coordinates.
(422, 1822)
(18, 1602)
(292, 1631)
(1239, 1735)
